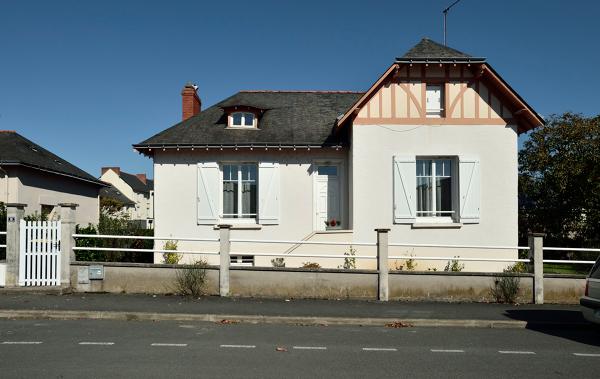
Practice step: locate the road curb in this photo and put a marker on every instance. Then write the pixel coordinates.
(259, 319)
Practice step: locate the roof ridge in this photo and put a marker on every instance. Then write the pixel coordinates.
(299, 91)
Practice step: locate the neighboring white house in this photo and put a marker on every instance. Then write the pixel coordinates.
(429, 151)
(34, 176)
(138, 189)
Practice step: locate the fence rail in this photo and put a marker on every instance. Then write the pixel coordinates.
(109, 236)
(126, 249)
(3, 245)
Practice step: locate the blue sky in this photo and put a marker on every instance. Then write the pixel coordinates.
(88, 79)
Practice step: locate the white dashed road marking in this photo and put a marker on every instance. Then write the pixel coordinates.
(97, 343)
(240, 346)
(586, 355)
(170, 344)
(310, 348)
(21, 342)
(447, 351)
(515, 352)
(379, 349)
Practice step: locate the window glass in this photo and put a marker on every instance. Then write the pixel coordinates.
(327, 170)
(248, 119)
(237, 119)
(240, 190)
(434, 187)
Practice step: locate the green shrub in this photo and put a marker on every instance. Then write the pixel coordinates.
(191, 280)
(350, 261)
(411, 265)
(454, 265)
(506, 288)
(311, 265)
(171, 258)
(278, 262)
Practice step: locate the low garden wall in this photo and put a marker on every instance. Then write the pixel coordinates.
(322, 283)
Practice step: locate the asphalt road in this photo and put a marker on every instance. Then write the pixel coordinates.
(95, 349)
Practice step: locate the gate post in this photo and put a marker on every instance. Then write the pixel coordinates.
(536, 254)
(382, 264)
(224, 248)
(14, 214)
(67, 242)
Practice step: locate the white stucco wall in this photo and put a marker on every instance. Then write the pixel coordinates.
(373, 148)
(175, 194)
(144, 203)
(34, 188)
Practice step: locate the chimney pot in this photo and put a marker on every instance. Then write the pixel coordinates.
(191, 103)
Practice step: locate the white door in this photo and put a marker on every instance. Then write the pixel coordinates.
(327, 194)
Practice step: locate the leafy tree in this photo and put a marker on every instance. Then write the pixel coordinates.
(559, 181)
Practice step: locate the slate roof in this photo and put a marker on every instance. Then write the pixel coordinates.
(113, 193)
(136, 184)
(289, 118)
(18, 150)
(428, 50)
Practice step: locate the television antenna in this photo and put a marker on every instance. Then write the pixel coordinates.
(445, 12)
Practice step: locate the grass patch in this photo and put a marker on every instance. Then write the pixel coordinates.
(566, 268)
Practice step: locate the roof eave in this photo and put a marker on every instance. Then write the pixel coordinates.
(92, 181)
(440, 60)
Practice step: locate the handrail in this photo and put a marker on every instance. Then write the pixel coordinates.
(568, 261)
(292, 242)
(458, 246)
(570, 249)
(338, 256)
(145, 250)
(108, 236)
(460, 259)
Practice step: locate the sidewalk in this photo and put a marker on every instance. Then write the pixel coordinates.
(313, 312)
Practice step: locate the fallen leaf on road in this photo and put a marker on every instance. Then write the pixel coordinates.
(280, 348)
(225, 321)
(398, 324)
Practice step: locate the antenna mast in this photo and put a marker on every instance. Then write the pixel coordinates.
(445, 12)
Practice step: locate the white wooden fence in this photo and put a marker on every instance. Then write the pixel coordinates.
(39, 263)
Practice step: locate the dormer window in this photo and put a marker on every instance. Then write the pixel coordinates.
(434, 98)
(242, 120)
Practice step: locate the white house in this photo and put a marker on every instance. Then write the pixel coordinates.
(428, 151)
(32, 175)
(138, 189)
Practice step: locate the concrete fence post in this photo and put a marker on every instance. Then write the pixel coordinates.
(14, 214)
(67, 242)
(536, 254)
(382, 265)
(224, 249)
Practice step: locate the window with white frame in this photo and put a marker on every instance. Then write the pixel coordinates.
(240, 190)
(434, 99)
(435, 188)
(242, 120)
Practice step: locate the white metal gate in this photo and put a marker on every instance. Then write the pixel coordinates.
(39, 262)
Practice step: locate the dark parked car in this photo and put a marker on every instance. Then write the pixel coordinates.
(590, 302)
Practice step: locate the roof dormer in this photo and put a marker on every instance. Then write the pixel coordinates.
(242, 117)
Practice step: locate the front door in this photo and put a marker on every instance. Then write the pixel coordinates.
(327, 194)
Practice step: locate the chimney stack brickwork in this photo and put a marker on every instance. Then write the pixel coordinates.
(191, 104)
(141, 177)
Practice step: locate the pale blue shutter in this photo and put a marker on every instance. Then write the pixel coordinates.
(469, 189)
(209, 184)
(405, 189)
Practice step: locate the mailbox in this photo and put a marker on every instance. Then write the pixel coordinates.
(96, 272)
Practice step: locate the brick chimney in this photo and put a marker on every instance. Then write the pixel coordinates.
(190, 101)
(117, 170)
(141, 177)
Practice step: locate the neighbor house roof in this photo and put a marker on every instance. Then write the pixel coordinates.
(18, 150)
(111, 192)
(288, 118)
(136, 183)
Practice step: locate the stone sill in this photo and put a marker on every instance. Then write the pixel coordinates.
(242, 227)
(433, 225)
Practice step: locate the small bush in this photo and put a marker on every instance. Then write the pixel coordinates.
(171, 258)
(411, 265)
(278, 262)
(191, 280)
(311, 265)
(454, 265)
(506, 288)
(350, 261)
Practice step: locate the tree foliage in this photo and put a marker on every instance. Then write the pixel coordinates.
(559, 182)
